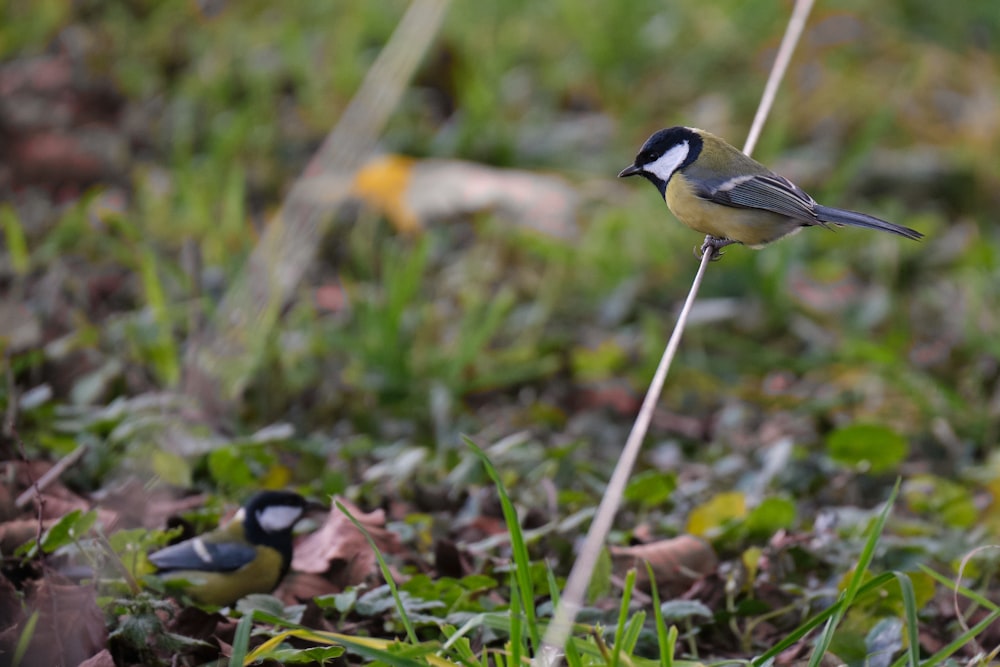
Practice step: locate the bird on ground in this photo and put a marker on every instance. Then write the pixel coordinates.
(716, 189)
(249, 554)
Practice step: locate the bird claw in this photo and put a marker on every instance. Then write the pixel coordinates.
(713, 246)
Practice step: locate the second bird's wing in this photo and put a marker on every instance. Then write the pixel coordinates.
(198, 554)
(769, 192)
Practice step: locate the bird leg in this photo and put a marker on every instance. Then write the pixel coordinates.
(712, 246)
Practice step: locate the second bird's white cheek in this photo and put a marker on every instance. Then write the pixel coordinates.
(665, 165)
(279, 517)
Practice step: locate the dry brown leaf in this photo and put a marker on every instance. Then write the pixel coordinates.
(70, 626)
(677, 563)
(299, 586)
(102, 659)
(15, 533)
(341, 551)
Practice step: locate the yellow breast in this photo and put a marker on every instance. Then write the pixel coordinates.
(749, 226)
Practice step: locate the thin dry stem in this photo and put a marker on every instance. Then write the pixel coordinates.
(579, 577)
(222, 358)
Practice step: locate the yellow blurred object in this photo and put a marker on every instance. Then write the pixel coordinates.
(383, 184)
(277, 476)
(413, 193)
(709, 518)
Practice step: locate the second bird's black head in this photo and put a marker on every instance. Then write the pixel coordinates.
(664, 154)
(268, 518)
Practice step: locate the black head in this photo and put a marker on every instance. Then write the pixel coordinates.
(663, 154)
(269, 517)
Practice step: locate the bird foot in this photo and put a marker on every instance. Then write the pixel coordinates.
(712, 246)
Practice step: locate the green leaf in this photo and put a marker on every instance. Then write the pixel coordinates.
(261, 603)
(230, 469)
(68, 529)
(871, 447)
(172, 468)
(651, 488)
(342, 602)
(681, 610)
(947, 500)
(770, 516)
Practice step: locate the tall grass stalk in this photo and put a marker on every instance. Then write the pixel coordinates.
(579, 578)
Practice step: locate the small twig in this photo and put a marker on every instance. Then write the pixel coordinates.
(50, 475)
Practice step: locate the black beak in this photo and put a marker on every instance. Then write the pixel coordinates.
(630, 170)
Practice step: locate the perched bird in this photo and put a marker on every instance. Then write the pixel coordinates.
(714, 188)
(250, 554)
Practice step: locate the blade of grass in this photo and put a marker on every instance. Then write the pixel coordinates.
(623, 615)
(856, 581)
(666, 639)
(960, 641)
(366, 647)
(516, 646)
(386, 574)
(816, 621)
(631, 635)
(910, 611)
(17, 245)
(971, 594)
(165, 357)
(241, 641)
(519, 550)
(24, 640)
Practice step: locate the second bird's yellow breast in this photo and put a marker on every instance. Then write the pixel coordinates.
(750, 226)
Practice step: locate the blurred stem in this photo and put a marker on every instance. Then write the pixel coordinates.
(220, 362)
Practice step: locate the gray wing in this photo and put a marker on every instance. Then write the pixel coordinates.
(769, 192)
(197, 554)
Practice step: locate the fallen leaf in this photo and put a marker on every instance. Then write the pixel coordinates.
(412, 193)
(340, 551)
(102, 659)
(70, 626)
(676, 563)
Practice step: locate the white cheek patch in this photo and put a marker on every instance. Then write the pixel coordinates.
(278, 517)
(665, 165)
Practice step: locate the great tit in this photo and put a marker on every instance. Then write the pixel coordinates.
(250, 554)
(716, 189)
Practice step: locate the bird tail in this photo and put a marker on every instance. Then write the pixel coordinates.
(844, 217)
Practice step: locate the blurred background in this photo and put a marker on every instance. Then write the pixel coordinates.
(144, 146)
